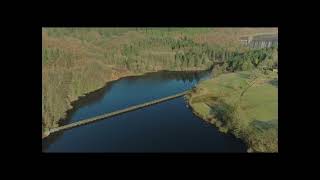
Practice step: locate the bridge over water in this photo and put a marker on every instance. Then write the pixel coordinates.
(104, 116)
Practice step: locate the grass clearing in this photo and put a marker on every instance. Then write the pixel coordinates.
(253, 117)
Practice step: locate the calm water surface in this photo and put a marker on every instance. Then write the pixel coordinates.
(166, 127)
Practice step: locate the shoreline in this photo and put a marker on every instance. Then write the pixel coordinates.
(188, 100)
(46, 134)
(241, 129)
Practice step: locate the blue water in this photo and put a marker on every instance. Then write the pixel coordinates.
(166, 127)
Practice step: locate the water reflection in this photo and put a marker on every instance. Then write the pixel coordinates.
(150, 80)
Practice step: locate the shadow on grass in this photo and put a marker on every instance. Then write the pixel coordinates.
(274, 82)
(264, 125)
(222, 111)
(244, 75)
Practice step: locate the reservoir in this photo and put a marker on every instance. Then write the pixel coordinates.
(169, 126)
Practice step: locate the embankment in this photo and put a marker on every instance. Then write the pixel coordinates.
(237, 105)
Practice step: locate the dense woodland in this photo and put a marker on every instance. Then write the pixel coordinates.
(76, 61)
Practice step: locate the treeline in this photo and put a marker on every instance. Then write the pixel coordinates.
(156, 50)
(264, 60)
(212, 53)
(191, 54)
(163, 52)
(175, 54)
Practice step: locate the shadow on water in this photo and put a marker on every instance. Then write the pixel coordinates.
(86, 100)
(93, 97)
(50, 139)
(169, 75)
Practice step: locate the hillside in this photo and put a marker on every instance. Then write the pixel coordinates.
(76, 61)
(242, 98)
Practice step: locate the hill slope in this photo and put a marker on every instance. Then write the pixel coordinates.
(76, 61)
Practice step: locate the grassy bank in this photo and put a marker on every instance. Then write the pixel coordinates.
(242, 103)
(76, 61)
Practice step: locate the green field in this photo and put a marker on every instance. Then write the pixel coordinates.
(252, 117)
